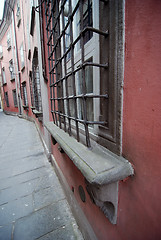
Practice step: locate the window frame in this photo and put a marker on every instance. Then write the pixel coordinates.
(35, 85)
(100, 167)
(6, 99)
(1, 52)
(4, 81)
(22, 57)
(110, 139)
(8, 40)
(18, 13)
(11, 72)
(25, 97)
(15, 97)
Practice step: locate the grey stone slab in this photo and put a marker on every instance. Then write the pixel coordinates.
(43, 221)
(16, 209)
(6, 232)
(15, 192)
(22, 168)
(69, 232)
(47, 196)
(10, 161)
(24, 177)
(8, 156)
(36, 185)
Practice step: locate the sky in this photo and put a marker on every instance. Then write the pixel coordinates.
(1, 8)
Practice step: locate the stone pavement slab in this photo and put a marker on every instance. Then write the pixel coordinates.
(32, 202)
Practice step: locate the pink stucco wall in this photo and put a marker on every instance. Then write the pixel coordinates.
(11, 85)
(140, 198)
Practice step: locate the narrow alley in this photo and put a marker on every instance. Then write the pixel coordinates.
(32, 202)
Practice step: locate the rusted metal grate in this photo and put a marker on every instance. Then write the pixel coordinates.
(64, 97)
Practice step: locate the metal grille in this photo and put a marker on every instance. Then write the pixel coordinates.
(14, 97)
(24, 91)
(65, 100)
(31, 88)
(6, 98)
(36, 90)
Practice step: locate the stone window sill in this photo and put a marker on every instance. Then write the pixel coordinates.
(101, 168)
(25, 107)
(98, 165)
(37, 113)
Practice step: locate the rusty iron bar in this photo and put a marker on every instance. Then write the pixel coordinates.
(65, 72)
(50, 77)
(81, 120)
(88, 95)
(73, 74)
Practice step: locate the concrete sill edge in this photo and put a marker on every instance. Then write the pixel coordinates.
(98, 166)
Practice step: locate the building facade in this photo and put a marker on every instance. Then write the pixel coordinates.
(87, 73)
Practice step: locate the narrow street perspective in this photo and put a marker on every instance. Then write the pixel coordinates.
(32, 202)
(80, 100)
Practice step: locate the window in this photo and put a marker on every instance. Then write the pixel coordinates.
(24, 92)
(1, 52)
(8, 41)
(3, 76)
(6, 99)
(11, 69)
(85, 61)
(83, 40)
(18, 14)
(35, 83)
(31, 89)
(14, 97)
(32, 25)
(22, 57)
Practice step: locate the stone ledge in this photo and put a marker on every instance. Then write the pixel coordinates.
(37, 113)
(98, 165)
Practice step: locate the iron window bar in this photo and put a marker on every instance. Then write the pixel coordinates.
(78, 69)
(52, 92)
(81, 120)
(103, 33)
(89, 95)
(58, 81)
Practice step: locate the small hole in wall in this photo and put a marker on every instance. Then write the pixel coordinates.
(82, 193)
(72, 189)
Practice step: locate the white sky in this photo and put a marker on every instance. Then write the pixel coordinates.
(1, 8)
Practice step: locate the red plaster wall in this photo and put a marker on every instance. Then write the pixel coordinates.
(140, 197)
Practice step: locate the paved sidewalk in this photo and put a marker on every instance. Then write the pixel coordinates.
(32, 202)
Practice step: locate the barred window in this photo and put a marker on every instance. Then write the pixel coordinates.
(35, 83)
(83, 57)
(4, 76)
(24, 91)
(11, 68)
(22, 57)
(6, 99)
(31, 88)
(1, 52)
(14, 97)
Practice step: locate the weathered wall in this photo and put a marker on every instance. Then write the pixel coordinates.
(140, 197)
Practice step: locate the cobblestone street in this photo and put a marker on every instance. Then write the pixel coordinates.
(32, 202)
